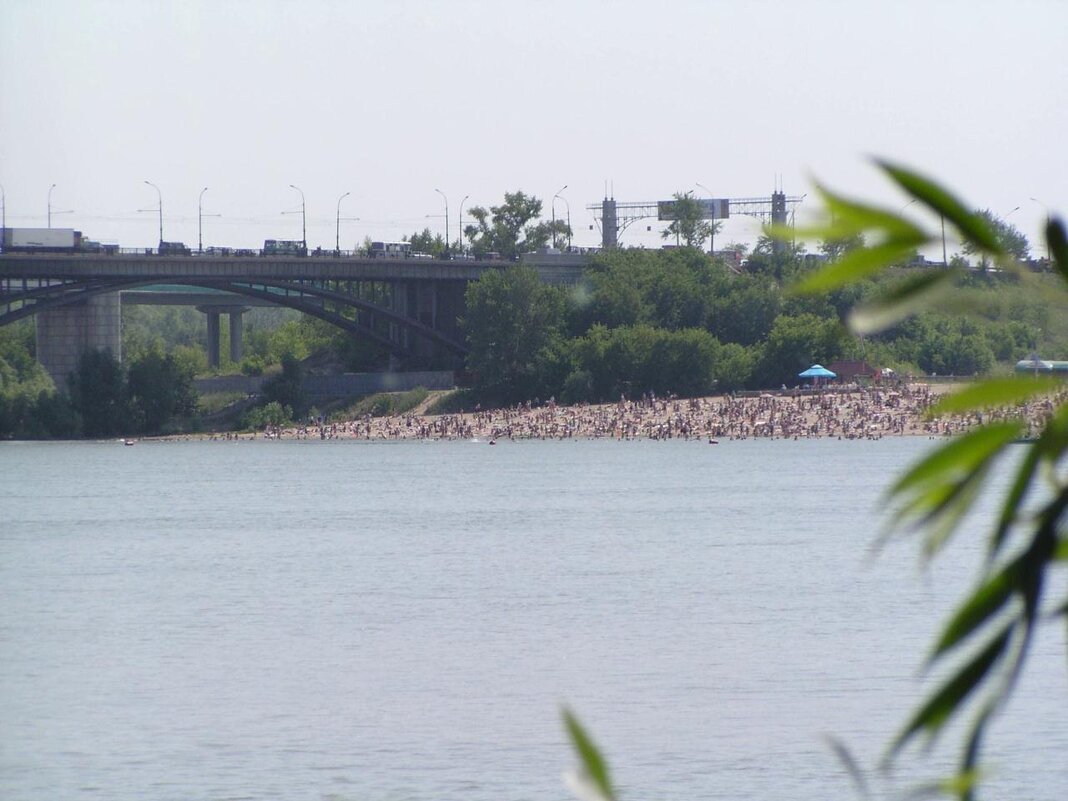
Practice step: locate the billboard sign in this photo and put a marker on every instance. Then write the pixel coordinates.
(712, 208)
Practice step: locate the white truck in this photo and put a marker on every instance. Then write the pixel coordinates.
(41, 240)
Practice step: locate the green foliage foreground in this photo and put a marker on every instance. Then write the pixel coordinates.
(987, 639)
(990, 634)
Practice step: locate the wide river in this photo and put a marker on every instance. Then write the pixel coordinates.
(384, 621)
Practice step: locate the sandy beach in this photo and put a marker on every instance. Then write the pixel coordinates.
(860, 413)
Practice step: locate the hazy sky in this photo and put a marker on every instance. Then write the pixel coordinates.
(392, 100)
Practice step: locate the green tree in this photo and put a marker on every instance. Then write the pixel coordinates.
(52, 416)
(688, 226)
(833, 248)
(776, 258)
(1009, 239)
(795, 343)
(270, 414)
(670, 289)
(160, 389)
(513, 323)
(511, 229)
(286, 388)
(745, 310)
(190, 359)
(99, 396)
(635, 359)
(426, 242)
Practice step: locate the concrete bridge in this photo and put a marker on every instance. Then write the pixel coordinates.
(410, 307)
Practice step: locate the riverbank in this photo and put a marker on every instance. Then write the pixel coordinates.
(863, 413)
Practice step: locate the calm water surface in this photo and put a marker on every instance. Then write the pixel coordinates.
(349, 620)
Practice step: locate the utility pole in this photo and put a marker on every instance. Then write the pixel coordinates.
(200, 221)
(554, 215)
(461, 239)
(337, 229)
(160, 194)
(303, 219)
(446, 220)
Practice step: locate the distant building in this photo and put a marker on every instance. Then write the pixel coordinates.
(849, 370)
(732, 258)
(1043, 366)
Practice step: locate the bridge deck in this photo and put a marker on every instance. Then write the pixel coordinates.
(563, 269)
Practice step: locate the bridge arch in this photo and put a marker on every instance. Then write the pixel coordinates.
(407, 306)
(330, 301)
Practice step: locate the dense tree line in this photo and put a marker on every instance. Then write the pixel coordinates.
(667, 321)
(103, 398)
(678, 321)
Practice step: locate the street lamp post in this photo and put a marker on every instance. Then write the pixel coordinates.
(553, 204)
(712, 225)
(160, 195)
(945, 261)
(568, 205)
(337, 228)
(303, 218)
(446, 220)
(462, 223)
(3, 217)
(50, 212)
(200, 221)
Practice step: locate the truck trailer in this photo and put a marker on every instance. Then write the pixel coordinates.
(41, 240)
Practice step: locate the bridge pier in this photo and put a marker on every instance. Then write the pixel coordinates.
(376, 298)
(65, 333)
(236, 330)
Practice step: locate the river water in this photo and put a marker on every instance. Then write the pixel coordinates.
(383, 621)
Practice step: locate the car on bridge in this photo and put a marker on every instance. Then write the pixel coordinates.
(173, 249)
(390, 250)
(284, 247)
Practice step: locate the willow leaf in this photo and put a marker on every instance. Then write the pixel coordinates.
(847, 760)
(922, 504)
(853, 216)
(1015, 496)
(939, 507)
(591, 758)
(970, 771)
(959, 455)
(962, 785)
(941, 201)
(995, 392)
(855, 265)
(943, 521)
(983, 603)
(910, 297)
(946, 702)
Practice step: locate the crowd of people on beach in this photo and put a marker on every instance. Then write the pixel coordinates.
(844, 413)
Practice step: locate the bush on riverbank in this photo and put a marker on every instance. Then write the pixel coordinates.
(382, 404)
(459, 400)
(272, 414)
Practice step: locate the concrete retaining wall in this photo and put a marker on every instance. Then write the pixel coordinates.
(318, 386)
